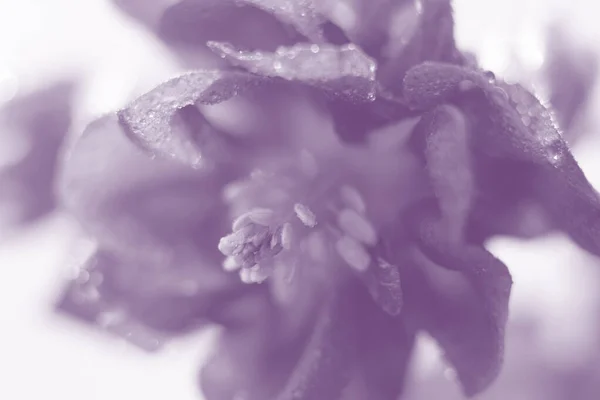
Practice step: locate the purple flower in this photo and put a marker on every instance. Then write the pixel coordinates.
(323, 199)
(39, 122)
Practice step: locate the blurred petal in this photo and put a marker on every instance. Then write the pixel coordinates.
(354, 122)
(301, 14)
(385, 347)
(421, 30)
(384, 285)
(341, 71)
(571, 75)
(252, 360)
(448, 162)
(469, 326)
(141, 208)
(38, 123)
(326, 364)
(143, 304)
(258, 363)
(187, 25)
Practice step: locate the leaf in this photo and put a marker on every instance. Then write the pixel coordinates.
(343, 71)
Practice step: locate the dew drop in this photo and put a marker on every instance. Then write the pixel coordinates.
(491, 77)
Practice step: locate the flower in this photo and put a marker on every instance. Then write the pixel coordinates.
(323, 200)
(36, 125)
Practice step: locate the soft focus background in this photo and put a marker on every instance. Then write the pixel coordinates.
(554, 334)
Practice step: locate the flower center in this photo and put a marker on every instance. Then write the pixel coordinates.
(318, 206)
(293, 212)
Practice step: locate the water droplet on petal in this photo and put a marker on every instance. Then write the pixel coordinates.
(491, 77)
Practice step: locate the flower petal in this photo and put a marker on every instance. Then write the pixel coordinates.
(141, 208)
(515, 126)
(301, 14)
(187, 25)
(146, 305)
(343, 71)
(149, 119)
(354, 122)
(383, 282)
(255, 358)
(37, 124)
(325, 367)
(422, 30)
(385, 347)
(469, 329)
(448, 162)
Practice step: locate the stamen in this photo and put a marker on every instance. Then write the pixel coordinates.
(286, 236)
(261, 216)
(231, 263)
(353, 199)
(353, 253)
(357, 226)
(233, 244)
(246, 275)
(305, 215)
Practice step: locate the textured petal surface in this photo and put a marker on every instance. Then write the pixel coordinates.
(301, 14)
(341, 70)
(514, 127)
(149, 119)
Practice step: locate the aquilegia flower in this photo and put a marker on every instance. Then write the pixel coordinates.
(322, 200)
(32, 127)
